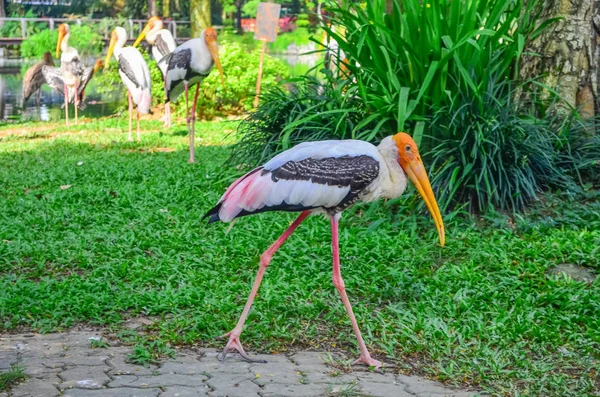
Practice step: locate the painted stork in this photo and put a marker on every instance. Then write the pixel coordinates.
(71, 69)
(55, 79)
(163, 44)
(324, 178)
(134, 73)
(187, 65)
(34, 78)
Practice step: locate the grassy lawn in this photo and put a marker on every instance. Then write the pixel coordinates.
(124, 237)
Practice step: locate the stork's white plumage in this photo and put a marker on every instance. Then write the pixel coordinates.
(187, 65)
(163, 44)
(325, 178)
(134, 73)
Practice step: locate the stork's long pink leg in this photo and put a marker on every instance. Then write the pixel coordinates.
(76, 102)
(66, 104)
(129, 137)
(193, 129)
(168, 114)
(234, 335)
(138, 124)
(365, 357)
(187, 116)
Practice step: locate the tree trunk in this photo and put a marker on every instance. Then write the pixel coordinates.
(199, 16)
(166, 8)
(2, 12)
(151, 8)
(569, 53)
(238, 16)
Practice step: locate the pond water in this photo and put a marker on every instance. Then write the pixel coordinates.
(50, 107)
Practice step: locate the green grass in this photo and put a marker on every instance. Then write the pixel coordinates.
(11, 376)
(127, 239)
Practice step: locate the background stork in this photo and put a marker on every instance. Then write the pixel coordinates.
(55, 79)
(134, 73)
(324, 178)
(189, 64)
(163, 44)
(34, 78)
(71, 69)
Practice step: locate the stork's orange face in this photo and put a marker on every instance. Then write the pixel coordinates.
(410, 161)
(210, 38)
(98, 65)
(63, 29)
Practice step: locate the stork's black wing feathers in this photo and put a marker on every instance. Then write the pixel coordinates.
(33, 80)
(161, 46)
(125, 67)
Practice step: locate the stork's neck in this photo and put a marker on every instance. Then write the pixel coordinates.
(64, 45)
(394, 179)
(119, 47)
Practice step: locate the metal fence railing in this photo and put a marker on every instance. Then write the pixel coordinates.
(179, 29)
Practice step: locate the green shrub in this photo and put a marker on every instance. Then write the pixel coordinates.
(302, 24)
(82, 38)
(495, 156)
(309, 110)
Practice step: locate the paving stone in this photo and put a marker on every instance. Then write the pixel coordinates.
(158, 381)
(279, 369)
(35, 388)
(3, 394)
(181, 368)
(427, 388)
(281, 390)
(120, 366)
(182, 391)
(378, 385)
(84, 377)
(231, 388)
(120, 392)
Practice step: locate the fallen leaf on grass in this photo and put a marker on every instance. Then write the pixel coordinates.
(65, 187)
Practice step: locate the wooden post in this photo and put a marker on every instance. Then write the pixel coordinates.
(267, 18)
(260, 71)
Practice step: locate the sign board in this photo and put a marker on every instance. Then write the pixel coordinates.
(267, 21)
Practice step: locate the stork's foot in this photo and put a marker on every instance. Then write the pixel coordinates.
(234, 344)
(368, 361)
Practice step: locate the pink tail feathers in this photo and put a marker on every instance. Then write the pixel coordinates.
(240, 195)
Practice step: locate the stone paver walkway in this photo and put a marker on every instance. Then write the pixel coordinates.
(65, 365)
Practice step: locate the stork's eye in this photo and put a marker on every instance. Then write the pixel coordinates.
(408, 148)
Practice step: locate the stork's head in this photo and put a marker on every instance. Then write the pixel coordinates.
(63, 30)
(210, 38)
(410, 161)
(117, 37)
(154, 24)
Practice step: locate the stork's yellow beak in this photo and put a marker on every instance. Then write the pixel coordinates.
(142, 35)
(111, 48)
(411, 163)
(214, 52)
(61, 36)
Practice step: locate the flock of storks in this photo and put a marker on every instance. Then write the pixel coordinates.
(323, 177)
(181, 67)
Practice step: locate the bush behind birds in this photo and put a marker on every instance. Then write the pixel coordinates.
(83, 38)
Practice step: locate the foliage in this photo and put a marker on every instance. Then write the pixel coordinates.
(308, 111)
(493, 156)
(424, 57)
(11, 376)
(482, 310)
(83, 38)
(13, 28)
(250, 7)
(299, 37)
